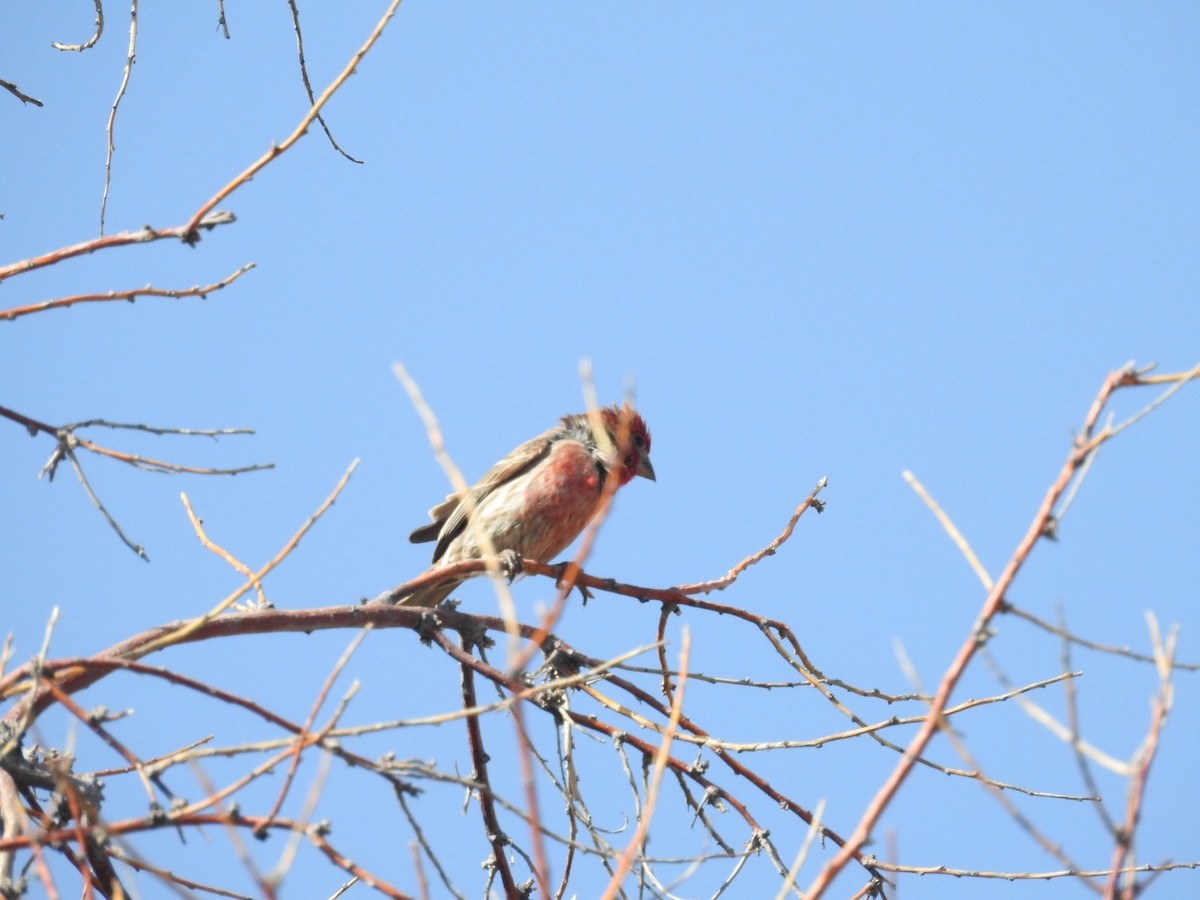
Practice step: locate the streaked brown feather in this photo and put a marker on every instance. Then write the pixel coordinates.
(450, 516)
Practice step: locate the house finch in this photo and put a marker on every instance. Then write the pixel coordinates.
(538, 499)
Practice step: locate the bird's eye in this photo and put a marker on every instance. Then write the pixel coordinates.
(639, 441)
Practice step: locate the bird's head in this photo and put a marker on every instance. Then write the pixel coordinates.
(627, 433)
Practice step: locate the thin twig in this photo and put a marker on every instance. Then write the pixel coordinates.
(991, 606)
(308, 86)
(112, 116)
(16, 92)
(309, 117)
(1126, 652)
(303, 739)
(719, 584)
(802, 854)
(90, 42)
(144, 235)
(661, 756)
(66, 441)
(87, 487)
(1164, 651)
(240, 567)
(156, 429)
(130, 296)
(1071, 701)
(184, 631)
(460, 488)
(951, 530)
(479, 761)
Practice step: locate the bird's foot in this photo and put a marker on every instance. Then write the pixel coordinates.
(560, 579)
(511, 564)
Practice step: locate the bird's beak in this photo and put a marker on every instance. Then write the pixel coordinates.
(645, 469)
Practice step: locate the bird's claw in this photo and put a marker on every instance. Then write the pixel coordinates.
(560, 578)
(511, 564)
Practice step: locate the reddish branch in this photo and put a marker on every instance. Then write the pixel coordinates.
(1123, 852)
(479, 760)
(129, 296)
(144, 236)
(1085, 444)
(71, 676)
(313, 113)
(315, 834)
(43, 683)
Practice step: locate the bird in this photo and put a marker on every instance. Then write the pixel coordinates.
(535, 501)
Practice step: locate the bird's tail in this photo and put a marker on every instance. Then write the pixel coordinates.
(431, 596)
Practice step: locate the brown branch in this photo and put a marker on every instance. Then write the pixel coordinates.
(157, 465)
(16, 92)
(145, 235)
(612, 732)
(1042, 524)
(525, 751)
(277, 150)
(131, 295)
(67, 441)
(304, 738)
(134, 862)
(120, 828)
(103, 733)
(479, 760)
(72, 679)
(183, 631)
(1164, 651)
(240, 567)
(719, 584)
(1036, 876)
(1075, 733)
(637, 842)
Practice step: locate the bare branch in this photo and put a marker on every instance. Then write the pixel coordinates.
(276, 150)
(90, 42)
(130, 296)
(87, 487)
(304, 77)
(145, 235)
(1084, 446)
(719, 584)
(16, 92)
(112, 115)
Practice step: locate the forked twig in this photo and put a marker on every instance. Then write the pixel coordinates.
(67, 441)
(184, 631)
(146, 235)
(277, 149)
(240, 567)
(661, 755)
(1164, 652)
(1083, 447)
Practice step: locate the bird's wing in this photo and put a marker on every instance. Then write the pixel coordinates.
(450, 516)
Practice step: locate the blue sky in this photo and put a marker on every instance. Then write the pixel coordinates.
(834, 241)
